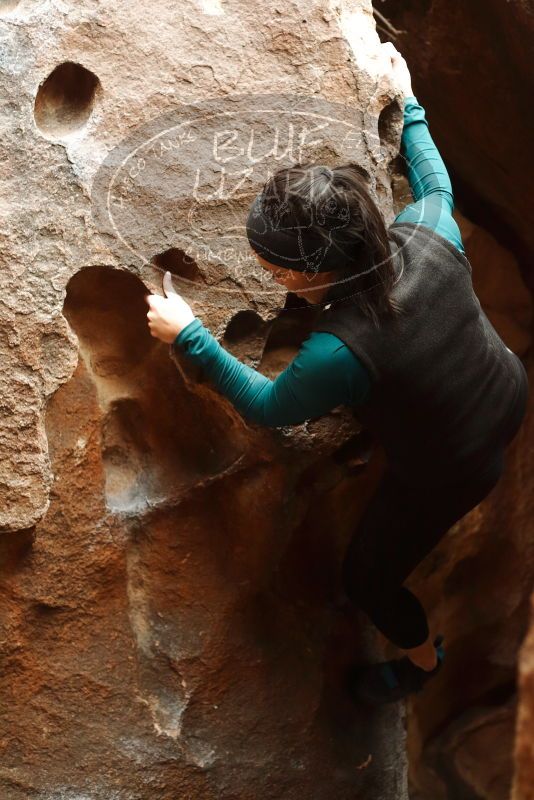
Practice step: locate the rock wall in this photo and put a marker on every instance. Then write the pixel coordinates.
(171, 624)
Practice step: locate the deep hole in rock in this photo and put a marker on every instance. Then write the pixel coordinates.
(43, 609)
(288, 331)
(390, 118)
(397, 166)
(107, 310)
(65, 99)
(157, 437)
(243, 325)
(356, 451)
(179, 264)
(14, 549)
(245, 334)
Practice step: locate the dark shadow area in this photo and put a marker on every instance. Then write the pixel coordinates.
(485, 214)
(244, 335)
(14, 547)
(157, 436)
(65, 99)
(243, 325)
(287, 333)
(397, 166)
(294, 301)
(107, 310)
(388, 121)
(179, 264)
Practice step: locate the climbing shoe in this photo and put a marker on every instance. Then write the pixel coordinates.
(390, 681)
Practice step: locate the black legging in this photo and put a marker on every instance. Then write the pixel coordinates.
(399, 527)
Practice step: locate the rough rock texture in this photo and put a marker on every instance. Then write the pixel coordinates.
(471, 70)
(171, 624)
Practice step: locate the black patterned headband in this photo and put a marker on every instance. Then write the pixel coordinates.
(299, 247)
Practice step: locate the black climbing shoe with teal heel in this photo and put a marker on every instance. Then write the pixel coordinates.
(390, 681)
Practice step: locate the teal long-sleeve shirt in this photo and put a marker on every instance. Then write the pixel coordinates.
(325, 373)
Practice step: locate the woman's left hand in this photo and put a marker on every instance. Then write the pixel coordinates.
(168, 315)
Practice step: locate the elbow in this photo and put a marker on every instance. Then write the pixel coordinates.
(264, 419)
(262, 413)
(269, 421)
(258, 418)
(263, 423)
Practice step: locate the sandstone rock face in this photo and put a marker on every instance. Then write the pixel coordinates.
(170, 575)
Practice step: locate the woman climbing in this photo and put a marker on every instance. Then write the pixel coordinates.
(402, 339)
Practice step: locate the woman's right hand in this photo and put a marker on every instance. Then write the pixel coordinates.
(400, 72)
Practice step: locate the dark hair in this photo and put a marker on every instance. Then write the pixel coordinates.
(335, 203)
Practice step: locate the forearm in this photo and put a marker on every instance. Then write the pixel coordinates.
(427, 173)
(324, 374)
(241, 384)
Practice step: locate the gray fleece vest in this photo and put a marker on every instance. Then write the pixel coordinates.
(443, 381)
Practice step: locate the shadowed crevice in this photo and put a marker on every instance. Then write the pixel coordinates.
(158, 437)
(288, 331)
(179, 264)
(388, 122)
(65, 99)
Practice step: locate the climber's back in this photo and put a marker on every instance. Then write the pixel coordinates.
(444, 383)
